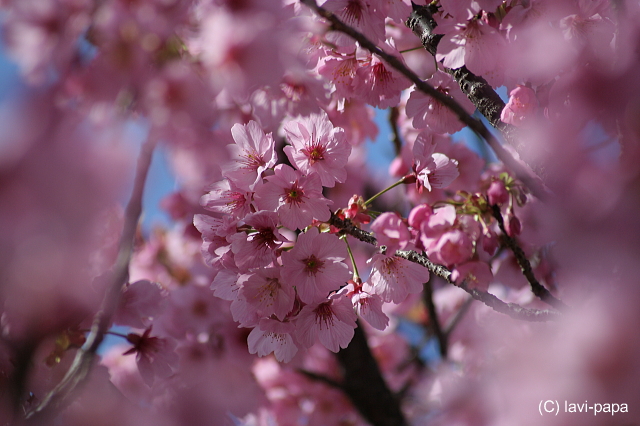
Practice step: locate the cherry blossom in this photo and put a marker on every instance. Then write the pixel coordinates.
(427, 112)
(295, 197)
(268, 293)
(361, 15)
(257, 246)
(273, 336)
(256, 153)
(521, 107)
(391, 231)
(433, 169)
(377, 83)
(475, 274)
(368, 306)
(141, 301)
(393, 278)
(331, 322)
(225, 197)
(317, 146)
(316, 265)
(155, 356)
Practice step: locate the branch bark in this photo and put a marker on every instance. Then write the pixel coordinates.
(510, 309)
(525, 266)
(522, 172)
(364, 385)
(118, 276)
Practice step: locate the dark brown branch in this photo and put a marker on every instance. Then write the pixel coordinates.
(364, 385)
(394, 113)
(479, 92)
(525, 266)
(434, 321)
(320, 378)
(118, 276)
(511, 309)
(526, 176)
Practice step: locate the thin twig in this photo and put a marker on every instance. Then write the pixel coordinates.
(525, 266)
(394, 113)
(119, 274)
(527, 177)
(434, 321)
(320, 378)
(511, 309)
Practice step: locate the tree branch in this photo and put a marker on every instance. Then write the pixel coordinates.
(364, 385)
(479, 92)
(394, 113)
(510, 309)
(434, 322)
(118, 276)
(526, 176)
(525, 266)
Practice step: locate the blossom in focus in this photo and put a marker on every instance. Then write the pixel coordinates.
(256, 248)
(332, 322)
(318, 146)
(268, 293)
(295, 197)
(316, 265)
(254, 153)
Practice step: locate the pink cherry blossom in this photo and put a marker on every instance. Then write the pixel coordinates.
(318, 146)
(476, 274)
(155, 356)
(427, 112)
(391, 231)
(476, 45)
(331, 322)
(273, 336)
(268, 293)
(295, 197)
(316, 265)
(256, 247)
(433, 170)
(497, 193)
(360, 15)
(340, 69)
(452, 247)
(393, 278)
(254, 153)
(140, 302)
(377, 83)
(521, 108)
(225, 197)
(368, 306)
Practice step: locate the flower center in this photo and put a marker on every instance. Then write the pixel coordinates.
(312, 265)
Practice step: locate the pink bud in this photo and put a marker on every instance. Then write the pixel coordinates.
(498, 193)
(419, 214)
(513, 226)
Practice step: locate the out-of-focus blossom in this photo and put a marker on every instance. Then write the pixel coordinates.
(521, 108)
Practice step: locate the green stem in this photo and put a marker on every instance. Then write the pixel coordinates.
(370, 200)
(356, 275)
(412, 49)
